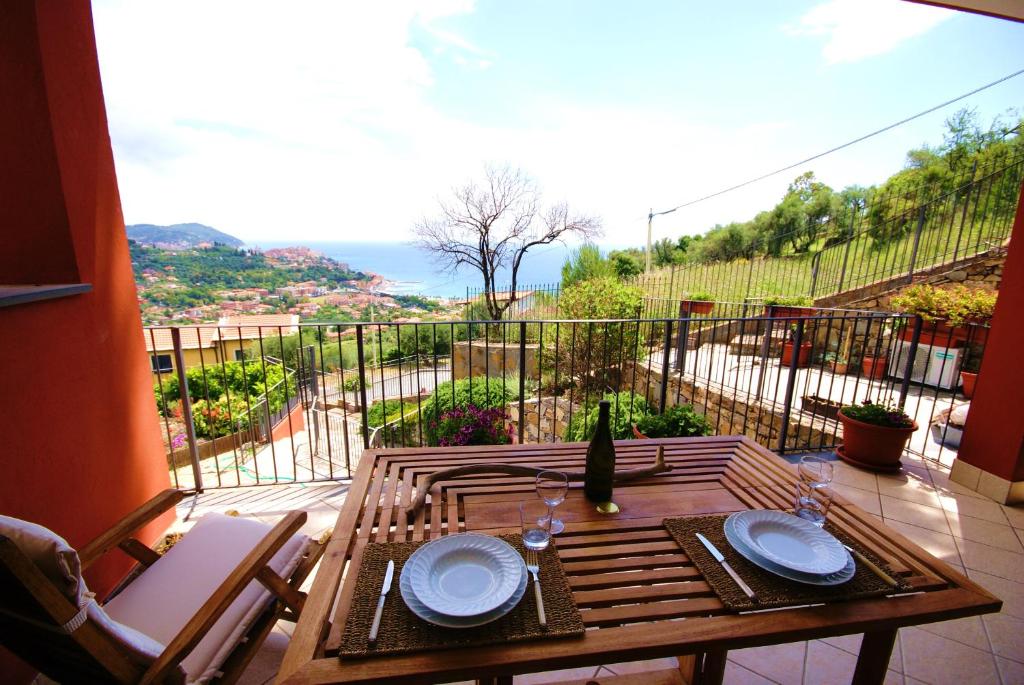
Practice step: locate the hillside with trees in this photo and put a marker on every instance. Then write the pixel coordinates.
(955, 197)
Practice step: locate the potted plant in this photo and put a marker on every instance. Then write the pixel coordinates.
(697, 303)
(794, 307)
(803, 356)
(874, 435)
(947, 312)
(678, 421)
(873, 366)
(822, 406)
(838, 361)
(969, 370)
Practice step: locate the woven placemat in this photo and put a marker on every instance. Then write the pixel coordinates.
(402, 631)
(772, 591)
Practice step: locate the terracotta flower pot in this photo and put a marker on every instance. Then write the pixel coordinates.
(877, 448)
(968, 379)
(941, 334)
(841, 368)
(803, 357)
(696, 306)
(873, 367)
(778, 311)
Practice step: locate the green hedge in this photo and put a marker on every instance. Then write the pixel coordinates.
(627, 408)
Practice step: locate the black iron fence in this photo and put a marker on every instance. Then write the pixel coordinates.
(778, 379)
(885, 236)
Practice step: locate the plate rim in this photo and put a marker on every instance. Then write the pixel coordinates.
(787, 519)
(427, 614)
(849, 569)
(494, 600)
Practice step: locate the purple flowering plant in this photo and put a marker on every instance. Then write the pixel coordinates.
(473, 426)
(878, 415)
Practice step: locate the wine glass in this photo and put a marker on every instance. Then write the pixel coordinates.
(551, 487)
(812, 497)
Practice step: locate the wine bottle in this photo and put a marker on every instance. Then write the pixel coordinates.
(600, 471)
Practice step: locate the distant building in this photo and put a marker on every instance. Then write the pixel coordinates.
(229, 340)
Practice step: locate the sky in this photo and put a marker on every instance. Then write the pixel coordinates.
(348, 121)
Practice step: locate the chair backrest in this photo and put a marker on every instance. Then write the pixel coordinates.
(41, 624)
(49, 619)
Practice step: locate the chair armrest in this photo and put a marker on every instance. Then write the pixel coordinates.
(223, 596)
(128, 525)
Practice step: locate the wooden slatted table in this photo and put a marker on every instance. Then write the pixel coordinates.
(639, 594)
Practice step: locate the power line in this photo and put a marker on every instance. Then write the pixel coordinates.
(839, 147)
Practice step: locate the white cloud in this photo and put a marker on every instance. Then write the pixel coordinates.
(858, 29)
(316, 123)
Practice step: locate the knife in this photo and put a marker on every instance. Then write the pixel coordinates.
(725, 564)
(388, 576)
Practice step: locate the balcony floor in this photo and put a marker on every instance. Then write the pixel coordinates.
(972, 533)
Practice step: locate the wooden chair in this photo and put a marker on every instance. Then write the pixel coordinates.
(48, 618)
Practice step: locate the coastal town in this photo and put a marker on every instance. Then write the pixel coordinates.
(181, 284)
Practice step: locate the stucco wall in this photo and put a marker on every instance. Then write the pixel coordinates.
(81, 444)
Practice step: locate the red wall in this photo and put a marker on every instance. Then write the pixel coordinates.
(81, 444)
(994, 435)
(289, 425)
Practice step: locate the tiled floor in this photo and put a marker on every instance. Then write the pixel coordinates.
(973, 534)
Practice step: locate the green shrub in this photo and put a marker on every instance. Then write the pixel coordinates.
(220, 417)
(587, 358)
(788, 301)
(385, 412)
(481, 392)
(878, 415)
(959, 305)
(586, 263)
(679, 421)
(701, 296)
(627, 408)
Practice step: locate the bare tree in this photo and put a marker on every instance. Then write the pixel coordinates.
(491, 226)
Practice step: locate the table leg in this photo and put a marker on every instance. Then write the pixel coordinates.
(875, 651)
(688, 667)
(703, 668)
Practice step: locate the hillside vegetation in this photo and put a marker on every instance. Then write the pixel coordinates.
(949, 201)
(185, 235)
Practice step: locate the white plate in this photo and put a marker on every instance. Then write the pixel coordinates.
(466, 574)
(838, 578)
(788, 541)
(423, 611)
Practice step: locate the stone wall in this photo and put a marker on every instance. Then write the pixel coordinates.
(733, 413)
(553, 414)
(480, 359)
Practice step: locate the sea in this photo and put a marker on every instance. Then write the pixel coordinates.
(412, 271)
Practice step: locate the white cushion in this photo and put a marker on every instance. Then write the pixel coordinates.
(162, 600)
(51, 553)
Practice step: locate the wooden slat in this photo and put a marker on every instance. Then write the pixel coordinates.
(634, 577)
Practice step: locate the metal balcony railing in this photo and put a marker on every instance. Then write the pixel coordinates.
(777, 379)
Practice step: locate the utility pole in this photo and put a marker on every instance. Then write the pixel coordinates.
(650, 221)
